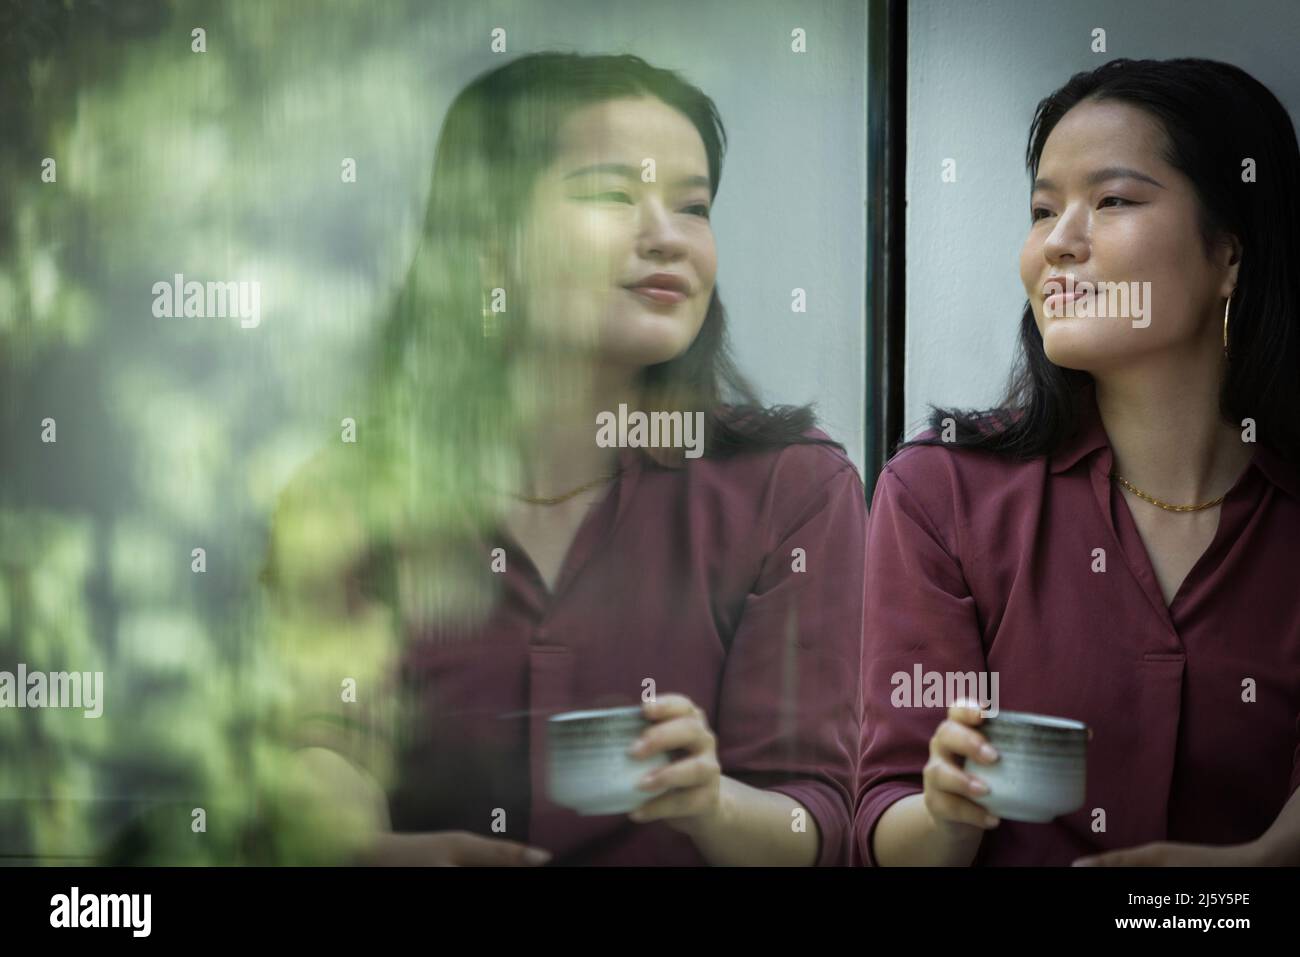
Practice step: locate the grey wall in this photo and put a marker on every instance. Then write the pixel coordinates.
(975, 73)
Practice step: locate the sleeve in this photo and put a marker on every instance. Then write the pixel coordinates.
(919, 617)
(788, 716)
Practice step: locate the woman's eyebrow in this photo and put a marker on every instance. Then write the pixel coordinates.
(631, 172)
(1100, 176)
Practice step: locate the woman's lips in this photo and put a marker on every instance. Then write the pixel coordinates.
(663, 297)
(1054, 305)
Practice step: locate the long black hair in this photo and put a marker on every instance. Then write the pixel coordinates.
(1214, 115)
(500, 132)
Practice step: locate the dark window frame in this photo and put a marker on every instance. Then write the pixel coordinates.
(886, 239)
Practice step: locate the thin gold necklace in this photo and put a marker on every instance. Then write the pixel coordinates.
(1165, 505)
(557, 499)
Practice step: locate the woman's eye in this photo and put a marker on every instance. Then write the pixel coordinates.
(1034, 217)
(1115, 199)
(699, 209)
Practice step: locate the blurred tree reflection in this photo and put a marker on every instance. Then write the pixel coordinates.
(176, 434)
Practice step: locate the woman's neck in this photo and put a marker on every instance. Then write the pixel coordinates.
(560, 398)
(1166, 432)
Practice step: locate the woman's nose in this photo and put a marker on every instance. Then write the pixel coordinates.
(659, 231)
(1069, 238)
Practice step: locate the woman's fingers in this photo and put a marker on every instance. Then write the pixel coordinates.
(686, 773)
(474, 850)
(451, 849)
(684, 733)
(670, 706)
(675, 804)
(944, 806)
(953, 738)
(691, 782)
(949, 790)
(945, 777)
(967, 714)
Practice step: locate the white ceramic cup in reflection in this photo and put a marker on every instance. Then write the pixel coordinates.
(588, 768)
(1041, 771)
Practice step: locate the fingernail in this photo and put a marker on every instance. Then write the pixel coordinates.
(1083, 862)
(990, 820)
(635, 748)
(647, 782)
(536, 855)
(978, 787)
(987, 752)
(635, 815)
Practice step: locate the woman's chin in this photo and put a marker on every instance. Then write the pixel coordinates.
(644, 349)
(1084, 349)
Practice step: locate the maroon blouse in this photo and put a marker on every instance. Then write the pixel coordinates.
(685, 576)
(976, 563)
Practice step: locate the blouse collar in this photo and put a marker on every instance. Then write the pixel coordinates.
(1090, 435)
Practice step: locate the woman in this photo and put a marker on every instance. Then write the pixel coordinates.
(1116, 542)
(567, 269)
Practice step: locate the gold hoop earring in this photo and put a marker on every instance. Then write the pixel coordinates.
(1226, 306)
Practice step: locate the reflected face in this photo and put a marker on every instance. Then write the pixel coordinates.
(1107, 207)
(595, 228)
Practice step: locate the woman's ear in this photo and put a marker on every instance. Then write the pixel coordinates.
(1230, 252)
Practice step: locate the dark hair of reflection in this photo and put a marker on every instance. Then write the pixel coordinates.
(1214, 115)
(499, 134)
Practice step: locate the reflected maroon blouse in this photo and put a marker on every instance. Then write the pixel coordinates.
(688, 577)
(976, 563)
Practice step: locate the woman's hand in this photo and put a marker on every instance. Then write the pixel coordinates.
(1166, 854)
(451, 849)
(948, 788)
(694, 781)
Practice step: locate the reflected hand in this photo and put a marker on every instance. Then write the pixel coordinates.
(451, 849)
(1168, 854)
(694, 782)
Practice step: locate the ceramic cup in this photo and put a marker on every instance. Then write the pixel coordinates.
(589, 769)
(1040, 771)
